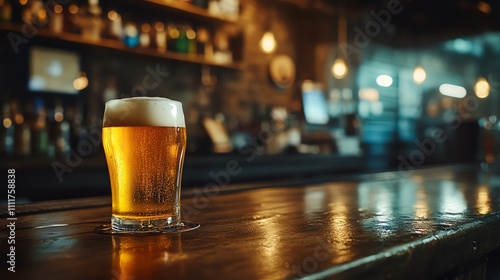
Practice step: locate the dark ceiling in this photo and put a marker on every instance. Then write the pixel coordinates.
(423, 21)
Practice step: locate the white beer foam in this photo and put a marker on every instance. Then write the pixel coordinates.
(143, 111)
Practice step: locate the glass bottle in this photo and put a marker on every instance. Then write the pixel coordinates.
(172, 37)
(61, 130)
(22, 133)
(5, 11)
(161, 37)
(114, 25)
(7, 132)
(191, 37)
(56, 20)
(203, 42)
(182, 43)
(40, 133)
(131, 38)
(145, 37)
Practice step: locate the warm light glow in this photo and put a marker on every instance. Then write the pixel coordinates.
(384, 80)
(421, 207)
(131, 30)
(145, 27)
(58, 116)
(159, 26)
(452, 90)
(339, 68)
(368, 94)
(483, 200)
(81, 82)
(58, 9)
(190, 34)
(113, 15)
(484, 7)
(173, 33)
(7, 123)
(307, 85)
(446, 103)
(23, 2)
(482, 88)
(42, 15)
(73, 9)
(18, 118)
(419, 75)
(268, 43)
(203, 35)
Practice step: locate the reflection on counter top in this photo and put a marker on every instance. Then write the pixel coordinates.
(436, 223)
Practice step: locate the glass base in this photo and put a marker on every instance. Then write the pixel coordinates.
(182, 227)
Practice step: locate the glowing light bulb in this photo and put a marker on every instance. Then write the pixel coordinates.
(339, 68)
(419, 75)
(268, 43)
(482, 88)
(384, 80)
(452, 90)
(7, 122)
(81, 82)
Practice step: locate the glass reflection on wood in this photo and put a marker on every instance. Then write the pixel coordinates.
(146, 257)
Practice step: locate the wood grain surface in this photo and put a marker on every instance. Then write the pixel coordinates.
(390, 225)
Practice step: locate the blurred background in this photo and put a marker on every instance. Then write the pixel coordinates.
(286, 88)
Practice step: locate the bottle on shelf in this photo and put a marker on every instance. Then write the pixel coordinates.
(131, 35)
(34, 13)
(182, 42)
(61, 131)
(92, 131)
(114, 25)
(89, 19)
(70, 19)
(56, 20)
(40, 133)
(160, 36)
(22, 132)
(145, 37)
(5, 11)
(7, 132)
(222, 53)
(204, 46)
(191, 38)
(172, 37)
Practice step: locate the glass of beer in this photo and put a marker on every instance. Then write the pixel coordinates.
(144, 141)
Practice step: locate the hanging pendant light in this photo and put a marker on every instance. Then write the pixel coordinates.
(339, 67)
(268, 42)
(419, 75)
(482, 88)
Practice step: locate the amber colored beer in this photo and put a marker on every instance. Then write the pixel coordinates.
(145, 168)
(144, 141)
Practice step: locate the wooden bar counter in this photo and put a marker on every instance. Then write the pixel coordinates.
(433, 223)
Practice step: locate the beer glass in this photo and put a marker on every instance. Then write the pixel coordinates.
(144, 141)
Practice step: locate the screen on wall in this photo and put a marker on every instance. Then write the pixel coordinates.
(314, 104)
(53, 70)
